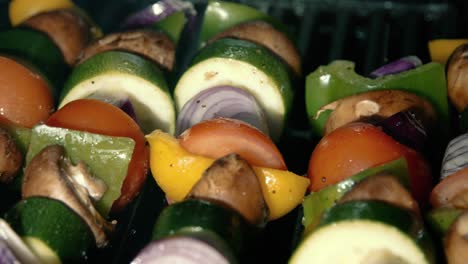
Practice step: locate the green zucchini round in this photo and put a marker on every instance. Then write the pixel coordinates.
(51, 228)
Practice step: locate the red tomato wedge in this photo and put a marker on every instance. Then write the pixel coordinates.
(26, 98)
(218, 137)
(102, 118)
(356, 147)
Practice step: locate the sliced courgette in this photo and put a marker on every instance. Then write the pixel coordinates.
(244, 65)
(358, 241)
(51, 229)
(374, 211)
(38, 49)
(118, 74)
(192, 216)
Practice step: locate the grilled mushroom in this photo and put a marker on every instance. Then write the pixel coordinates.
(376, 105)
(266, 35)
(51, 174)
(385, 188)
(231, 181)
(151, 44)
(456, 241)
(66, 28)
(10, 157)
(457, 77)
(452, 191)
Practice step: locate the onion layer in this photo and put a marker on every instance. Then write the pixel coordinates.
(158, 11)
(456, 156)
(6, 256)
(222, 101)
(400, 65)
(406, 128)
(180, 249)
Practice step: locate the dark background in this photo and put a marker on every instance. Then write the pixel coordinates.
(369, 32)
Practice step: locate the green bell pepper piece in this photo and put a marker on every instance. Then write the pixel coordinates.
(316, 203)
(106, 157)
(441, 219)
(220, 15)
(173, 25)
(338, 80)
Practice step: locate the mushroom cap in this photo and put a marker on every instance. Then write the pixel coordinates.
(377, 105)
(456, 241)
(265, 34)
(457, 77)
(232, 182)
(385, 188)
(151, 44)
(51, 174)
(66, 28)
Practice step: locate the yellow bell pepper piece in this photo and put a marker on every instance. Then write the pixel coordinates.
(20, 10)
(441, 49)
(176, 171)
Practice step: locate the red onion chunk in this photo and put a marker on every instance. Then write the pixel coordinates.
(222, 101)
(13, 248)
(394, 67)
(6, 255)
(181, 250)
(156, 12)
(407, 129)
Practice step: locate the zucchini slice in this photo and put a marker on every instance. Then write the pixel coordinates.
(244, 65)
(193, 216)
(37, 49)
(121, 74)
(51, 229)
(358, 241)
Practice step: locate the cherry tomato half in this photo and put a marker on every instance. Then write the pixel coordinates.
(353, 148)
(102, 118)
(218, 137)
(26, 98)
